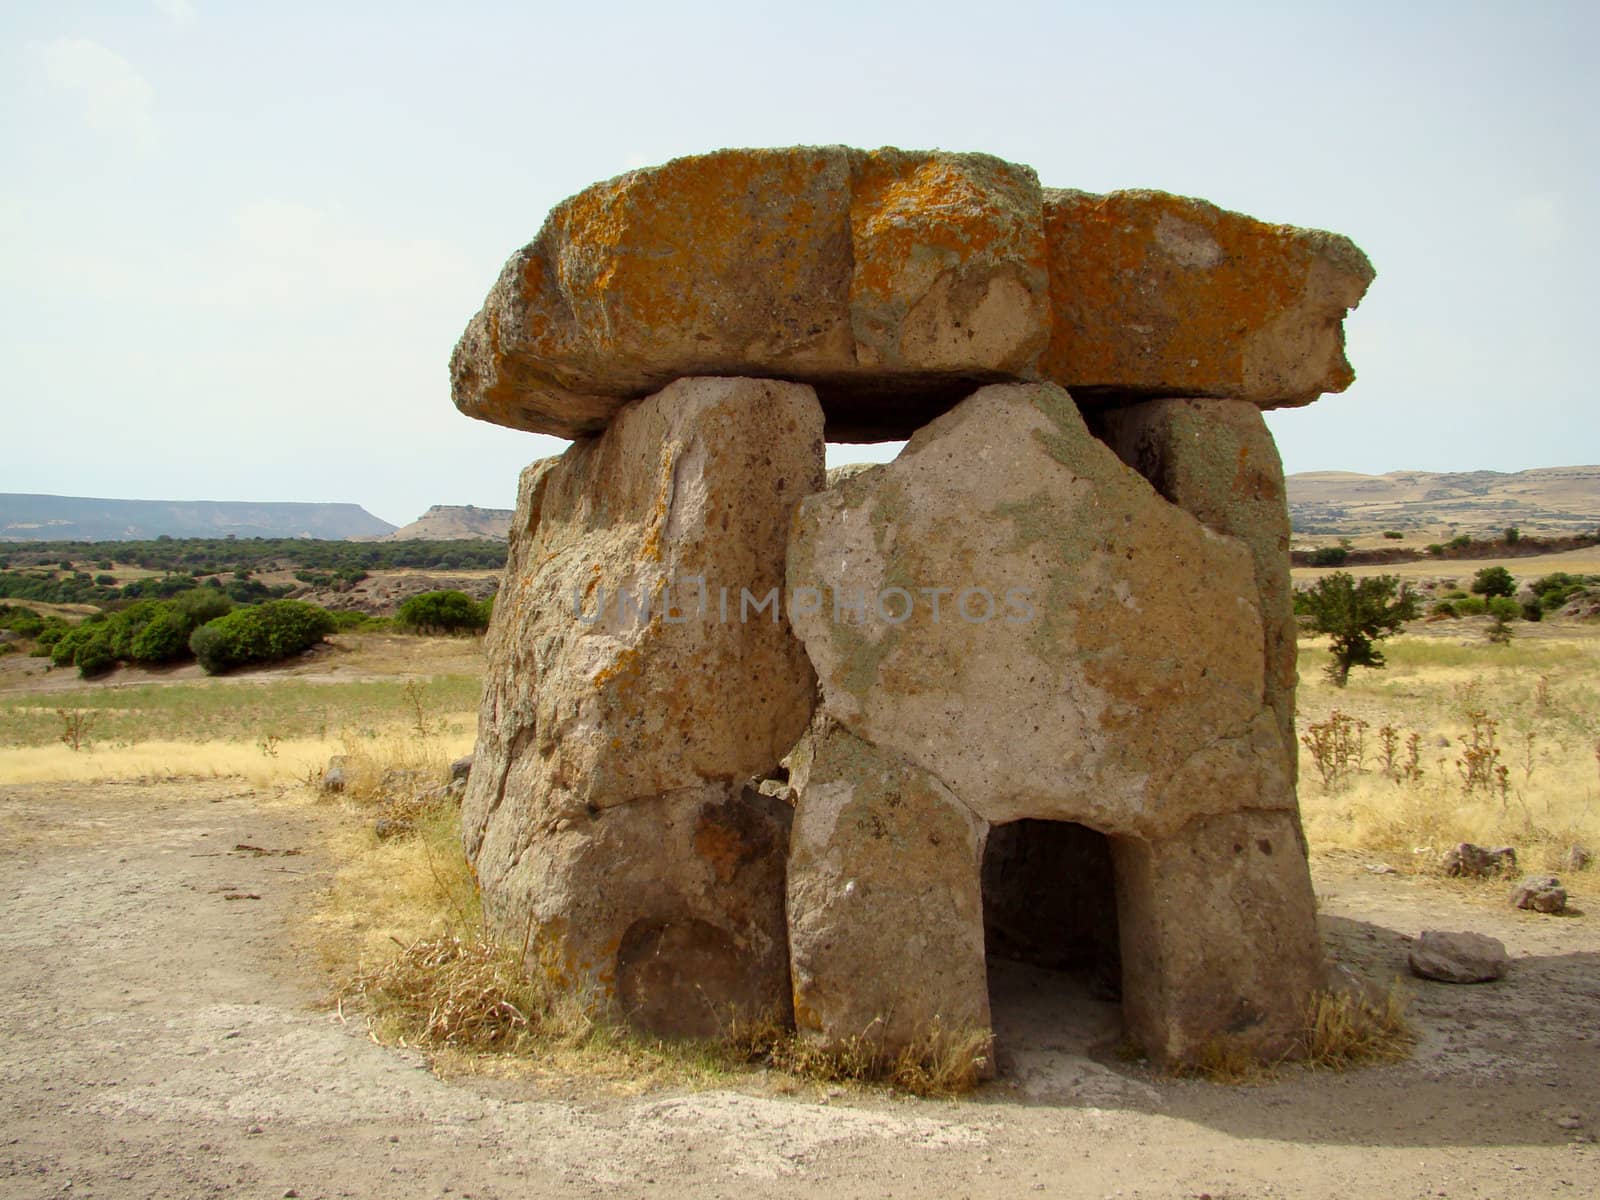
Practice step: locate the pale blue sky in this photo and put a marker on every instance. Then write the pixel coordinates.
(237, 241)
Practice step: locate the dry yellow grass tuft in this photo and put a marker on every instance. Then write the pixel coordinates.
(1344, 1030)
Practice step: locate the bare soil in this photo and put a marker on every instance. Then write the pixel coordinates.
(165, 1032)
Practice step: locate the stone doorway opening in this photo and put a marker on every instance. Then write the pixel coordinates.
(1050, 944)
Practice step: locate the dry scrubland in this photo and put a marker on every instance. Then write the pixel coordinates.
(1506, 750)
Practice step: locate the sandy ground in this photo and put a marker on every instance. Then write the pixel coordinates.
(163, 1033)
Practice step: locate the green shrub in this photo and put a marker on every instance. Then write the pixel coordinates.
(1443, 609)
(1494, 581)
(442, 612)
(1471, 606)
(1329, 556)
(1460, 542)
(1356, 615)
(201, 604)
(1394, 535)
(267, 632)
(94, 654)
(164, 638)
(23, 622)
(356, 621)
(1556, 589)
(1434, 548)
(1503, 607)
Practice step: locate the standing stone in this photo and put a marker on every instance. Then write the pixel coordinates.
(667, 912)
(1218, 924)
(885, 912)
(616, 675)
(1115, 679)
(1096, 651)
(1160, 295)
(1216, 460)
(892, 280)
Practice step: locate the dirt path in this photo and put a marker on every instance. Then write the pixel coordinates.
(159, 1039)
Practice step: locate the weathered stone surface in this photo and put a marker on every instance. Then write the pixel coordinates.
(892, 280)
(590, 704)
(885, 912)
(1458, 957)
(667, 911)
(1476, 861)
(1216, 460)
(1219, 937)
(1119, 680)
(1541, 893)
(587, 702)
(1160, 295)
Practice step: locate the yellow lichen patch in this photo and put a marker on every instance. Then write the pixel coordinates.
(654, 255)
(915, 218)
(721, 847)
(1159, 292)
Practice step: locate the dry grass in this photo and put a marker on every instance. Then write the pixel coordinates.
(1542, 766)
(1345, 1030)
(943, 1063)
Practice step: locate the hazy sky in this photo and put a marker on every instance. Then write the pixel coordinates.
(238, 241)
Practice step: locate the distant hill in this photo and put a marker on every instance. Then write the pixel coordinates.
(26, 517)
(456, 522)
(1547, 500)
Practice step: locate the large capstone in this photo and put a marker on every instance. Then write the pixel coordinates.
(1161, 295)
(891, 280)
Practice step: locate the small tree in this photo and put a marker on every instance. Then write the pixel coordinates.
(1356, 616)
(1494, 581)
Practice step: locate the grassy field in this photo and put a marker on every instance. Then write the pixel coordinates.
(269, 726)
(1506, 750)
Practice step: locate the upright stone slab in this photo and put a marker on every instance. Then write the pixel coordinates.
(892, 280)
(1161, 295)
(1095, 654)
(1097, 658)
(1218, 925)
(617, 679)
(1216, 460)
(885, 912)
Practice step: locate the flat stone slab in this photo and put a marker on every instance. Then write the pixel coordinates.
(894, 282)
(890, 280)
(1161, 295)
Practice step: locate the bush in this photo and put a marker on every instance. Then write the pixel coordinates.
(1329, 556)
(1494, 581)
(442, 612)
(268, 632)
(1394, 535)
(1503, 608)
(201, 604)
(1471, 606)
(164, 638)
(1556, 589)
(1357, 615)
(94, 653)
(23, 622)
(1443, 609)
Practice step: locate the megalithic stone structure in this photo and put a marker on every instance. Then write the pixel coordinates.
(1032, 683)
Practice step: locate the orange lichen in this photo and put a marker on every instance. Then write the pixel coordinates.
(721, 847)
(1110, 274)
